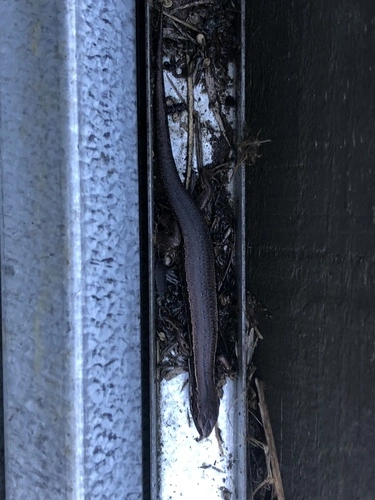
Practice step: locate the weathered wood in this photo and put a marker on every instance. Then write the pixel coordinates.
(312, 238)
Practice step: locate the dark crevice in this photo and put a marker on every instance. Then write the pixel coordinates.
(142, 76)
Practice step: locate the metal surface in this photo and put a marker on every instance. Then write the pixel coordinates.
(70, 260)
(181, 466)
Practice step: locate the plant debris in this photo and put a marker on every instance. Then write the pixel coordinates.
(201, 42)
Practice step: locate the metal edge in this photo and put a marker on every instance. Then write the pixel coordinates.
(74, 244)
(151, 260)
(243, 487)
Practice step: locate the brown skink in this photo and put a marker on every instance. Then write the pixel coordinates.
(199, 266)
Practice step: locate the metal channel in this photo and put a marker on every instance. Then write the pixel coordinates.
(181, 466)
(70, 250)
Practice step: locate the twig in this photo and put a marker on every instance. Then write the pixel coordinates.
(226, 269)
(198, 142)
(279, 490)
(269, 480)
(180, 21)
(192, 4)
(214, 101)
(190, 144)
(219, 440)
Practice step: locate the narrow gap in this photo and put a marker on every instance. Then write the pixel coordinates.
(143, 238)
(2, 429)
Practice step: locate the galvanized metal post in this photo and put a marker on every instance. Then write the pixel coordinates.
(69, 250)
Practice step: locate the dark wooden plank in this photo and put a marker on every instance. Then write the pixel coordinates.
(311, 238)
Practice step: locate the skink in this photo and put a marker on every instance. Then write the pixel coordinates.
(199, 266)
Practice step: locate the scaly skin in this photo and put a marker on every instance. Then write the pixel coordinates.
(199, 267)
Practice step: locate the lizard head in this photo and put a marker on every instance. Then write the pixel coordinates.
(205, 414)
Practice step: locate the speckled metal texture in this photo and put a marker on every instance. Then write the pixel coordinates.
(70, 259)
